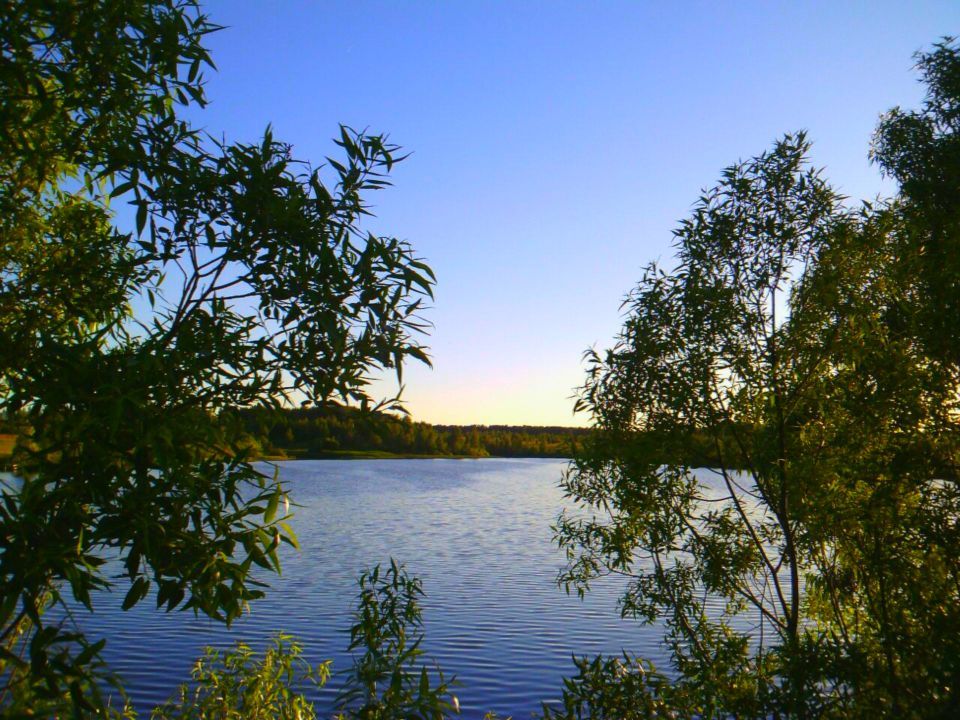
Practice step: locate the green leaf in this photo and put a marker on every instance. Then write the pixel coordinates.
(122, 188)
(271, 512)
(136, 593)
(141, 216)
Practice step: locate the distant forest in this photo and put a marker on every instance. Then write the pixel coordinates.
(337, 431)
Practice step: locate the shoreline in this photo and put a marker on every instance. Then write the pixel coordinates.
(384, 455)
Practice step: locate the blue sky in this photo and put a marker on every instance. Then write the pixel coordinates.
(556, 145)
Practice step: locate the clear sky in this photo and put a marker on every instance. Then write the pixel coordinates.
(556, 145)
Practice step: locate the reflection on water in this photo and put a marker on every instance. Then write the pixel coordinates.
(477, 532)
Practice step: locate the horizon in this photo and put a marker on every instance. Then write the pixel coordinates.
(554, 148)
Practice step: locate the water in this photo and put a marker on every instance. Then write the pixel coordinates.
(477, 532)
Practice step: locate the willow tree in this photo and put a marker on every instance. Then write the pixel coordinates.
(240, 279)
(707, 349)
(812, 569)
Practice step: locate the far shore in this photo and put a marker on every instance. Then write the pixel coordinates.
(384, 455)
(7, 442)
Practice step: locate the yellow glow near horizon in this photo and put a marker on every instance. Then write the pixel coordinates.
(542, 399)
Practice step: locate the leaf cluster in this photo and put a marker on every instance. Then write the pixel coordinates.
(385, 681)
(241, 685)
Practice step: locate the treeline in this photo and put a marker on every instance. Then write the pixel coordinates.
(335, 430)
(339, 431)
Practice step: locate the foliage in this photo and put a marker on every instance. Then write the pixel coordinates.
(238, 684)
(327, 431)
(616, 687)
(703, 348)
(899, 378)
(384, 682)
(921, 151)
(247, 281)
(813, 571)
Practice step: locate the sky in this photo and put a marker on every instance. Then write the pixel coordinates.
(555, 146)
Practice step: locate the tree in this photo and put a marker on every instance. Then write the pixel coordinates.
(240, 685)
(904, 559)
(921, 151)
(247, 281)
(384, 681)
(816, 574)
(708, 349)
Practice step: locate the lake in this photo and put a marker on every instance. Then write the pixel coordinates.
(477, 532)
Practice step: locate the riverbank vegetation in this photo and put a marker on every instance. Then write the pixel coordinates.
(388, 677)
(240, 276)
(823, 335)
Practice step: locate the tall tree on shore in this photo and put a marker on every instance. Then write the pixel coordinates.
(709, 348)
(814, 571)
(244, 279)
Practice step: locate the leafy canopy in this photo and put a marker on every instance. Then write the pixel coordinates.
(811, 570)
(245, 281)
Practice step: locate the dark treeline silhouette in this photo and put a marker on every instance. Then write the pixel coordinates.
(335, 430)
(338, 431)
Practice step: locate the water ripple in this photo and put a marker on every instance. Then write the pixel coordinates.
(477, 532)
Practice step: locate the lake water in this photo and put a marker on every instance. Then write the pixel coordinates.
(477, 532)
